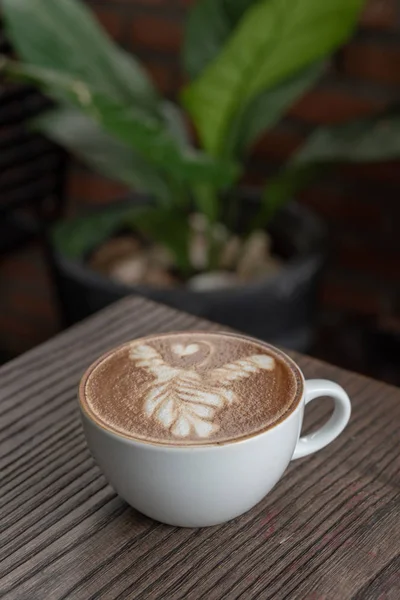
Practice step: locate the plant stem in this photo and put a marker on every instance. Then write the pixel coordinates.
(233, 210)
(213, 248)
(207, 203)
(205, 197)
(179, 193)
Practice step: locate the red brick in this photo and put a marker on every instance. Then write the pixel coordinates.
(389, 324)
(33, 307)
(27, 313)
(278, 144)
(396, 306)
(15, 327)
(384, 172)
(111, 21)
(182, 79)
(356, 255)
(346, 296)
(94, 189)
(324, 106)
(381, 14)
(340, 208)
(372, 61)
(19, 334)
(253, 178)
(156, 33)
(23, 268)
(162, 75)
(24, 271)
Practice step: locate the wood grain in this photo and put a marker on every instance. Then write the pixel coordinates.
(330, 530)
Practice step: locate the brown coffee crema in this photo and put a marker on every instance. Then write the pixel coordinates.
(191, 388)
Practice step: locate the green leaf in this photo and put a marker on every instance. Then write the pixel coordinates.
(268, 108)
(64, 36)
(167, 226)
(235, 9)
(366, 140)
(274, 40)
(207, 202)
(281, 189)
(207, 28)
(74, 238)
(175, 122)
(147, 135)
(102, 152)
(209, 25)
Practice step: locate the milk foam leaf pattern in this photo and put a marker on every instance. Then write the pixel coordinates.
(182, 350)
(181, 406)
(148, 358)
(184, 401)
(274, 40)
(242, 368)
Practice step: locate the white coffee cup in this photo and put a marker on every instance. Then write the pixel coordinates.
(198, 486)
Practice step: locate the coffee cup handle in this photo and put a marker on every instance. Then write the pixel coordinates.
(316, 388)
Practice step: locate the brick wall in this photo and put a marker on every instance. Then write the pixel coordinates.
(360, 204)
(27, 307)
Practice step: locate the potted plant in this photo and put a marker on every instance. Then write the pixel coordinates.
(199, 243)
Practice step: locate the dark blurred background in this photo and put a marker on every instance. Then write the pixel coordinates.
(359, 319)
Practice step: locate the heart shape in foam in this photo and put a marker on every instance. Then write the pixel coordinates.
(182, 350)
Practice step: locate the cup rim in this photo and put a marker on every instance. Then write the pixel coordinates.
(291, 410)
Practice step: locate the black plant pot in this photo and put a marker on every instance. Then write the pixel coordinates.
(280, 309)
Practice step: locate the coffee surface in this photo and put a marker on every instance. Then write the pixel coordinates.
(191, 388)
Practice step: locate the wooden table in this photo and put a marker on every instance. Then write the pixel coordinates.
(329, 530)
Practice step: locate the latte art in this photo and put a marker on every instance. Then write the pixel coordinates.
(182, 350)
(184, 401)
(190, 388)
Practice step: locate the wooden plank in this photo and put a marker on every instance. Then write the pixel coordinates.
(330, 530)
